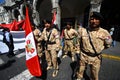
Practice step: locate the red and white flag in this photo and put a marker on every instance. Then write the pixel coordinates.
(54, 18)
(32, 61)
(13, 26)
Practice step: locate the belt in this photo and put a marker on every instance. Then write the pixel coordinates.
(51, 42)
(90, 54)
(69, 39)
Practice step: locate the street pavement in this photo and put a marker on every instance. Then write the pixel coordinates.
(115, 49)
(15, 68)
(113, 52)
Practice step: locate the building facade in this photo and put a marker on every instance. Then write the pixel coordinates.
(43, 9)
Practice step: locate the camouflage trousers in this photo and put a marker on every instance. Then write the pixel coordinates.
(93, 62)
(39, 50)
(51, 58)
(69, 47)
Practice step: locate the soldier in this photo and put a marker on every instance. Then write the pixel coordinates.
(37, 35)
(52, 38)
(93, 40)
(69, 34)
(77, 46)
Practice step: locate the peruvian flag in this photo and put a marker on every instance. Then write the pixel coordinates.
(54, 18)
(32, 61)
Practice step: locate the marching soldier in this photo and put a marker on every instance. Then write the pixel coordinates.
(37, 35)
(93, 40)
(69, 34)
(52, 38)
(77, 46)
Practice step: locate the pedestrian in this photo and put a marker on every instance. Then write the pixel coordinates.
(112, 33)
(69, 35)
(93, 40)
(8, 40)
(52, 39)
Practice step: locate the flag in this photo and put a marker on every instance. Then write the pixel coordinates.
(54, 18)
(6, 25)
(14, 25)
(32, 61)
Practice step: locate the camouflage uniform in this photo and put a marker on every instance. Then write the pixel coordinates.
(77, 46)
(37, 35)
(69, 35)
(87, 50)
(52, 39)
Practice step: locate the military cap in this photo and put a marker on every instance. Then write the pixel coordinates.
(96, 15)
(48, 21)
(69, 23)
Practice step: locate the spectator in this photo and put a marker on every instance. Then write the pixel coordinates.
(112, 33)
(8, 40)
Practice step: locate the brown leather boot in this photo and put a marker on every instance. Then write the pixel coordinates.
(49, 67)
(55, 72)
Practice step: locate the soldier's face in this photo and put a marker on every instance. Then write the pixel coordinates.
(68, 26)
(47, 25)
(94, 22)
